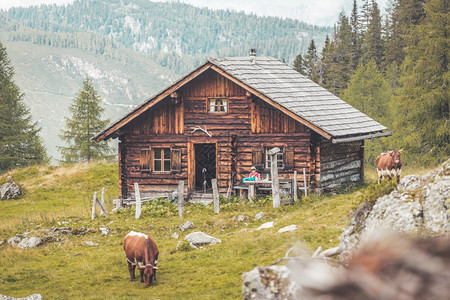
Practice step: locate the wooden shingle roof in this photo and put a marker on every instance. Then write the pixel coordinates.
(299, 95)
(276, 83)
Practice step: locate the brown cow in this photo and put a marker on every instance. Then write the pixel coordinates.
(141, 250)
(389, 164)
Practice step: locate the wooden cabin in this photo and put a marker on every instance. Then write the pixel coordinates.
(220, 119)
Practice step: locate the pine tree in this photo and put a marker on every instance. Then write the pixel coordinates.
(355, 36)
(84, 123)
(369, 92)
(394, 43)
(365, 15)
(311, 62)
(20, 143)
(374, 42)
(299, 65)
(423, 99)
(338, 58)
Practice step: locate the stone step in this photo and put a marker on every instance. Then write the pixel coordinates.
(204, 198)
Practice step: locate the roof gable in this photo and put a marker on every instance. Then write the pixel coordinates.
(282, 87)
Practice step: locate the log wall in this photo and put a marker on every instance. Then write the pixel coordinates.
(340, 163)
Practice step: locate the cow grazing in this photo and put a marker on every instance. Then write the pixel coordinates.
(389, 164)
(141, 251)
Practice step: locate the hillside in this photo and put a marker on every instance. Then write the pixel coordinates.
(51, 77)
(60, 197)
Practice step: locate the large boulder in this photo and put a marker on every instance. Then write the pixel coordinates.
(418, 206)
(30, 242)
(388, 266)
(9, 190)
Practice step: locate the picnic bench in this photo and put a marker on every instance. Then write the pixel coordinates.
(249, 189)
(287, 187)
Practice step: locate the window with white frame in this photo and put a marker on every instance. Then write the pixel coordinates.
(280, 158)
(218, 105)
(161, 159)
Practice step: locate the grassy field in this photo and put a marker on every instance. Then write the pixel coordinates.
(70, 269)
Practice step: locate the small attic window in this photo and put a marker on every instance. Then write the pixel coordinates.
(218, 105)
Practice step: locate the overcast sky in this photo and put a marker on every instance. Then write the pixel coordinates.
(317, 12)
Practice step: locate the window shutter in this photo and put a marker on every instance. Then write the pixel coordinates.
(175, 160)
(257, 158)
(145, 159)
(288, 158)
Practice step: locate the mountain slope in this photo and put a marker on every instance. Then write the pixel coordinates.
(51, 77)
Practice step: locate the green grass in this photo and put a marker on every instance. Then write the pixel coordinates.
(70, 269)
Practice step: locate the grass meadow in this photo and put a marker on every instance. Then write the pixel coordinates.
(70, 269)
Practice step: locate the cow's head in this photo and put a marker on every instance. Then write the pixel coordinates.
(149, 271)
(396, 157)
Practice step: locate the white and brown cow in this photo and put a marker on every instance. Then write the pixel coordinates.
(141, 251)
(389, 165)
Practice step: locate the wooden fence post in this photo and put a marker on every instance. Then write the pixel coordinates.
(274, 173)
(180, 200)
(305, 188)
(102, 202)
(138, 200)
(251, 192)
(295, 186)
(215, 195)
(93, 206)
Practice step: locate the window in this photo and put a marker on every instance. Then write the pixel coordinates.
(280, 156)
(218, 105)
(161, 159)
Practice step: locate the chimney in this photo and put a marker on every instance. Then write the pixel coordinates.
(253, 56)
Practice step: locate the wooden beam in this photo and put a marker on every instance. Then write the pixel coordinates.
(271, 102)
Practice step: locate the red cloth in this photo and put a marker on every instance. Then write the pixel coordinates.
(254, 174)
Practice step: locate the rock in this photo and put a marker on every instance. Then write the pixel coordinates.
(388, 266)
(274, 282)
(31, 297)
(104, 230)
(9, 190)
(90, 243)
(265, 226)
(241, 218)
(30, 242)
(14, 240)
(199, 239)
(417, 206)
(187, 225)
(1, 243)
(289, 228)
(175, 235)
(259, 215)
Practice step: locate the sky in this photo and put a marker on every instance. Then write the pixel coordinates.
(316, 12)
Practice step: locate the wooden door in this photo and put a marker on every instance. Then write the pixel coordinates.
(205, 165)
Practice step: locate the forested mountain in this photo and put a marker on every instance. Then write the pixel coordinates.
(175, 35)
